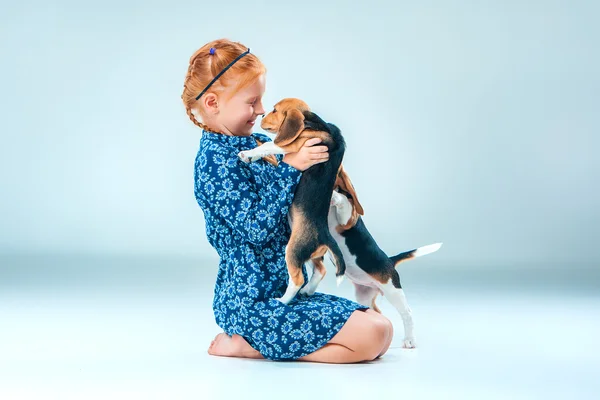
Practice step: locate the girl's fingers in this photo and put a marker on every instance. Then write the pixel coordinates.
(318, 149)
(312, 141)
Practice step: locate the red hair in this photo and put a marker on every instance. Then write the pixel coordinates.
(205, 66)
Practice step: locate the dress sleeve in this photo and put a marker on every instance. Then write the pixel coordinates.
(257, 212)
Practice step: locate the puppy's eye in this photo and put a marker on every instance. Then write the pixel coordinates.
(274, 111)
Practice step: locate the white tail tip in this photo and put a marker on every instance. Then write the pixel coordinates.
(421, 251)
(340, 279)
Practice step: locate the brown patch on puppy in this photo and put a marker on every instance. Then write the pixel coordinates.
(297, 237)
(320, 252)
(382, 277)
(407, 258)
(294, 266)
(294, 270)
(292, 125)
(320, 266)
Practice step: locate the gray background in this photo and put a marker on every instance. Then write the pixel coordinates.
(470, 123)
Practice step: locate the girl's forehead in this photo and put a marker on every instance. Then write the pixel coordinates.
(256, 88)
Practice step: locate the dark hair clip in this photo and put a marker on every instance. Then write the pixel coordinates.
(212, 51)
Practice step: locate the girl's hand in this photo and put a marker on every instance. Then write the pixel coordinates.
(308, 155)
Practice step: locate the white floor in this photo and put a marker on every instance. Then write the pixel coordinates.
(94, 339)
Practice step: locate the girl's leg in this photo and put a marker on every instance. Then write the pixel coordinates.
(364, 337)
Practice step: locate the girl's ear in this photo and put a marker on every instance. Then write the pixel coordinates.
(211, 103)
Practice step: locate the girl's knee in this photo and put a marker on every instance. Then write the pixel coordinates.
(385, 323)
(383, 333)
(376, 338)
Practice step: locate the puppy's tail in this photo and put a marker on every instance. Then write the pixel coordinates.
(337, 258)
(418, 252)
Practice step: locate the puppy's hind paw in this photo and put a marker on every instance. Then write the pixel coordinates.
(284, 300)
(409, 343)
(307, 290)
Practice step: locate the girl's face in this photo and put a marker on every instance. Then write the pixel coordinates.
(238, 114)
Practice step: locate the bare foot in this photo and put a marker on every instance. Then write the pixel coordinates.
(232, 346)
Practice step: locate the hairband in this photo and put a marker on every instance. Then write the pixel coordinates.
(212, 52)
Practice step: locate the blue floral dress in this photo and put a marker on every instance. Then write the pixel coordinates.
(245, 208)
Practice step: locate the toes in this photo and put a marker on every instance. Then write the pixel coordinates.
(216, 340)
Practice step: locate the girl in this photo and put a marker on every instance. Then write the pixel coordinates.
(245, 208)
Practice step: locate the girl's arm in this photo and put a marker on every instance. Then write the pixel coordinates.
(225, 187)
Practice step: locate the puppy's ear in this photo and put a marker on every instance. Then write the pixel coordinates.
(290, 129)
(346, 185)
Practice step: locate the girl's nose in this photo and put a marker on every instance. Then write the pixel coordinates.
(259, 110)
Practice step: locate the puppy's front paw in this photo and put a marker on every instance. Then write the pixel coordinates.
(409, 343)
(243, 155)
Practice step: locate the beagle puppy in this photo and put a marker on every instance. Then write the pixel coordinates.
(371, 271)
(294, 123)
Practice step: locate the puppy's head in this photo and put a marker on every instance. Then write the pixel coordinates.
(343, 184)
(286, 120)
